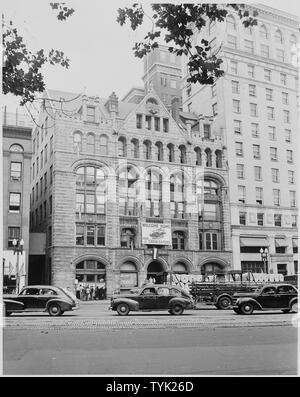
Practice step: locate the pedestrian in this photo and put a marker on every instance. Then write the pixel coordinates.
(92, 293)
(87, 291)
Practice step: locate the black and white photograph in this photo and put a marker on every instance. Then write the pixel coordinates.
(149, 204)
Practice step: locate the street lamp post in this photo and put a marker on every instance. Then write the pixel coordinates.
(264, 257)
(18, 248)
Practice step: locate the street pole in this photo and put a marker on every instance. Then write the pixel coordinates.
(17, 247)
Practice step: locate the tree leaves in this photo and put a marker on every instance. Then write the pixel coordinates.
(178, 23)
(63, 12)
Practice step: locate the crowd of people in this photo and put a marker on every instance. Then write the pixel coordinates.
(88, 292)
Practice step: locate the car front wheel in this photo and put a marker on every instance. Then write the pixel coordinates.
(123, 309)
(224, 303)
(246, 308)
(54, 310)
(177, 310)
(294, 307)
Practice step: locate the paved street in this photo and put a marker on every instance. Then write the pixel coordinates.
(94, 340)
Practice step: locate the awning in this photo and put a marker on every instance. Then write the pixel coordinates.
(281, 242)
(295, 242)
(253, 242)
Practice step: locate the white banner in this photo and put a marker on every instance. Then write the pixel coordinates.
(156, 234)
(10, 263)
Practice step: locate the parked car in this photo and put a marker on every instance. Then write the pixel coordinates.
(283, 297)
(153, 297)
(40, 298)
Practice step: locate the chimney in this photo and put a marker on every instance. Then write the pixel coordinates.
(112, 105)
(175, 108)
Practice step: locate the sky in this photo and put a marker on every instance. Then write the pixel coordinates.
(100, 50)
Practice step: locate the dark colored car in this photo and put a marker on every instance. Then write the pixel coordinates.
(283, 297)
(40, 298)
(153, 297)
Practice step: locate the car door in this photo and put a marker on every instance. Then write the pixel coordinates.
(163, 298)
(268, 297)
(44, 296)
(148, 299)
(29, 297)
(285, 293)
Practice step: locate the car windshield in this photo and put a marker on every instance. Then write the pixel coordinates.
(69, 293)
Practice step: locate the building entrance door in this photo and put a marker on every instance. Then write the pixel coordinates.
(156, 271)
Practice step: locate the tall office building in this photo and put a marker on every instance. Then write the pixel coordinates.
(255, 108)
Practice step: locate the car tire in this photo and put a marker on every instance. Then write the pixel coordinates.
(294, 307)
(177, 310)
(246, 308)
(286, 310)
(237, 311)
(224, 303)
(54, 310)
(123, 309)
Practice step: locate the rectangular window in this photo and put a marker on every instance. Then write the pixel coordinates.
(255, 130)
(51, 175)
(50, 205)
(90, 204)
(273, 154)
(277, 219)
(285, 98)
(231, 41)
(236, 106)
(91, 114)
(242, 218)
(240, 168)
(166, 125)
(148, 120)
(37, 165)
(13, 234)
(237, 126)
(45, 210)
(33, 171)
(289, 156)
(15, 171)
(33, 145)
(276, 197)
(283, 78)
(259, 195)
(139, 121)
(286, 116)
(235, 87)
(272, 133)
(101, 235)
(79, 235)
(233, 67)
(41, 186)
(163, 81)
(269, 94)
(189, 91)
(288, 135)
(173, 83)
(241, 194)
(206, 130)
(36, 191)
(251, 71)
(90, 235)
(200, 241)
(45, 181)
(270, 113)
(51, 145)
(257, 173)
(252, 90)
(275, 175)
(292, 198)
(264, 51)
(215, 109)
(267, 74)
(249, 46)
(79, 203)
(294, 219)
(239, 149)
(14, 202)
(260, 219)
(256, 151)
(280, 55)
(157, 123)
(291, 177)
(42, 159)
(46, 154)
(38, 139)
(253, 109)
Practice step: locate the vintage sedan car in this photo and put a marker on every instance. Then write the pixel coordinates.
(153, 297)
(40, 298)
(283, 297)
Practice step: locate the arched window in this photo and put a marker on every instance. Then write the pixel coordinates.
(211, 187)
(208, 158)
(263, 32)
(90, 142)
(127, 238)
(103, 145)
(198, 156)
(128, 275)
(135, 148)
(159, 151)
(128, 191)
(177, 195)
(278, 36)
(231, 24)
(16, 148)
(179, 268)
(153, 188)
(178, 240)
(77, 140)
(171, 153)
(147, 150)
(122, 147)
(218, 154)
(182, 150)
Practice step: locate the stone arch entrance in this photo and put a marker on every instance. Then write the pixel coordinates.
(213, 269)
(156, 272)
(90, 279)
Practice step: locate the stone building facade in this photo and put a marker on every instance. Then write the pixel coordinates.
(125, 191)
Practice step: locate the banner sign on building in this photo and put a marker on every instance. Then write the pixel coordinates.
(156, 234)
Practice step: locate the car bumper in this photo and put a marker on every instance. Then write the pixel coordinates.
(75, 307)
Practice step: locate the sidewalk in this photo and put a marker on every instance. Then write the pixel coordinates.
(106, 303)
